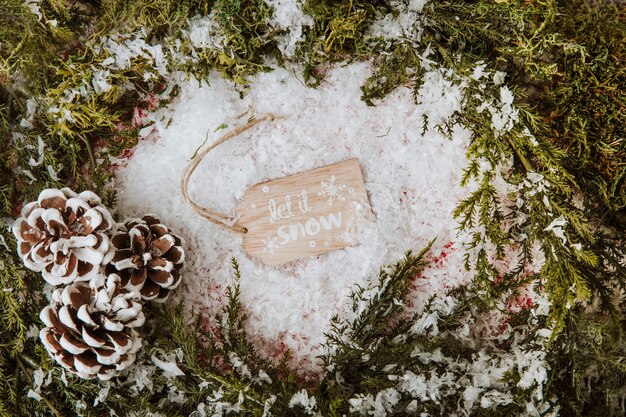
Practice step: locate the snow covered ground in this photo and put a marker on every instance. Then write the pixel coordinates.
(412, 179)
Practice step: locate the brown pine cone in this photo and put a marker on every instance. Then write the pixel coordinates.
(147, 257)
(90, 327)
(62, 235)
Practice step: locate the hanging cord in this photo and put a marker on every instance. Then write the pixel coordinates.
(213, 216)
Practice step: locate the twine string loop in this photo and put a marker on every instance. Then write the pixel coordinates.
(225, 221)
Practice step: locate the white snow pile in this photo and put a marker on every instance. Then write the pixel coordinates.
(412, 180)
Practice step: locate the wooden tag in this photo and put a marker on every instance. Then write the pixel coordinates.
(305, 214)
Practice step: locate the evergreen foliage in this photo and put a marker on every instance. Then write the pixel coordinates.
(339, 33)
(562, 158)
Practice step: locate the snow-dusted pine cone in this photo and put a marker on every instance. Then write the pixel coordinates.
(62, 235)
(90, 327)
(147, 257)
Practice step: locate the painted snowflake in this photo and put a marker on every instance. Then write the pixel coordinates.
(270, 244)
(332, 191)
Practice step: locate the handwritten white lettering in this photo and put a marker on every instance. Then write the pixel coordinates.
(312, 227)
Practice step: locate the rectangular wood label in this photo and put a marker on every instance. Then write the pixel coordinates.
(305, 214)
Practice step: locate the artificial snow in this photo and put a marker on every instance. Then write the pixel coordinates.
(412, 179)
(405, 23)
(380, 406)
(289, 17)
(302, 399)
(168, 366)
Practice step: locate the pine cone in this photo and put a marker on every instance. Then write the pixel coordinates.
(147, 257)
(62, 235)
(90, 329)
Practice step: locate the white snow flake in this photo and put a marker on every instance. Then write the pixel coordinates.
(557, 228)
(331, 190)
(270, 244)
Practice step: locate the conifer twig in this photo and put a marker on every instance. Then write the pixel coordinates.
(92, 158)
(52, 408)
(520, 155)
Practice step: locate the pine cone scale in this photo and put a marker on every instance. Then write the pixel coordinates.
(120, 341)
(87, 363)
(84, 316)
(138, 277)
(72, 344)
(176, 275)
(92, 251)
(162, 244)
(83, 268)
(52, 222)
(159, 230)
(67, 360)
(160, 264)
(90, 221)
(76, 296)
(107, 357)
(138, 243)
(120, 241)
(162, 278)
(92, 338)
(68, 318)
(123, 255)
(150, 290)
(50, 318)
(49, 341)
(175, 255)
(28, 233)
(52, 199)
